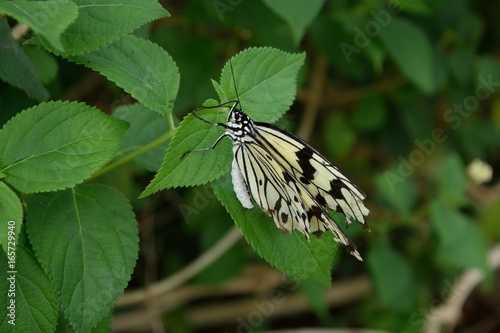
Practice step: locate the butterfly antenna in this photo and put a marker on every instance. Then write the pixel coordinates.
(234, 82)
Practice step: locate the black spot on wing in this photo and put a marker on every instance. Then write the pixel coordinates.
(304, 157)
(318, 233)
(314, 211)
(320, 199)
(304, 180)
(351, 248)
(277, 205)
(304, 216)
(336, 186)
(284, 218)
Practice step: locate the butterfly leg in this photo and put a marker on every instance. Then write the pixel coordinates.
(234, 104)
(205, 149)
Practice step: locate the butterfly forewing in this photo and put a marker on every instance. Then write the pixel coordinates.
(323, 180)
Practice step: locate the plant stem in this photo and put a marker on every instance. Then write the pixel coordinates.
(165, 137)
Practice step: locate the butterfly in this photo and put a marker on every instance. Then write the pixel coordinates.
(288, 179)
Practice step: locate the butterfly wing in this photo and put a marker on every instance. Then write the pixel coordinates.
(326, 183)
(278, 193)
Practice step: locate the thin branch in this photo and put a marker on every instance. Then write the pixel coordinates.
(335, 97)
(448, 314)
(315, 94)
(172, 282)
(327, 330)
(144, 149)
(227, 310)
(279, 303)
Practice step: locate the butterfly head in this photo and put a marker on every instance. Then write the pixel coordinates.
(239, 124)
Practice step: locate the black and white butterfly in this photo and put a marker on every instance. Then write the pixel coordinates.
(288, 179)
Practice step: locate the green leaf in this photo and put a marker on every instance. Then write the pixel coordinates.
(415, 59)
(11, 214)
(396, 189)
(339, 135)
(488, 70)
(15, 67)
(392, 276)
(419, 7)
(48, 19)
(103, 326)
(35, 299)
(102, 22)
(489, 221)
(86, 240)
(46, 65)
(298, 14)
(370, 114)
(146, 126)
(197, 167)
(462, 63)
(452, 182)
(317, 299)
(56, 145)
(292, 254)
(461, 243)
(186, 48)
(141, 67)
(266, 80)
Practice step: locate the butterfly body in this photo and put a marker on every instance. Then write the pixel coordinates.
(289, 180)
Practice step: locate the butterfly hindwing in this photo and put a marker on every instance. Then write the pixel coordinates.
(269, 187)
(278, 193)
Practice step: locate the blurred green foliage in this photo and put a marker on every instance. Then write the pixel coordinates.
(410, 98)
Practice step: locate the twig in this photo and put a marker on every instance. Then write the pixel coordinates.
(328, 330)
(315, 94)
(172, 282)
(335, 97)
(448, 314)
(484, 195)
(287, 304)
(227, 310)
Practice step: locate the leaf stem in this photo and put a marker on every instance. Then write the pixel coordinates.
(170, 120)
(165, 137)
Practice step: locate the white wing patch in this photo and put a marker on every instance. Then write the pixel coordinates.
(239, 186)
